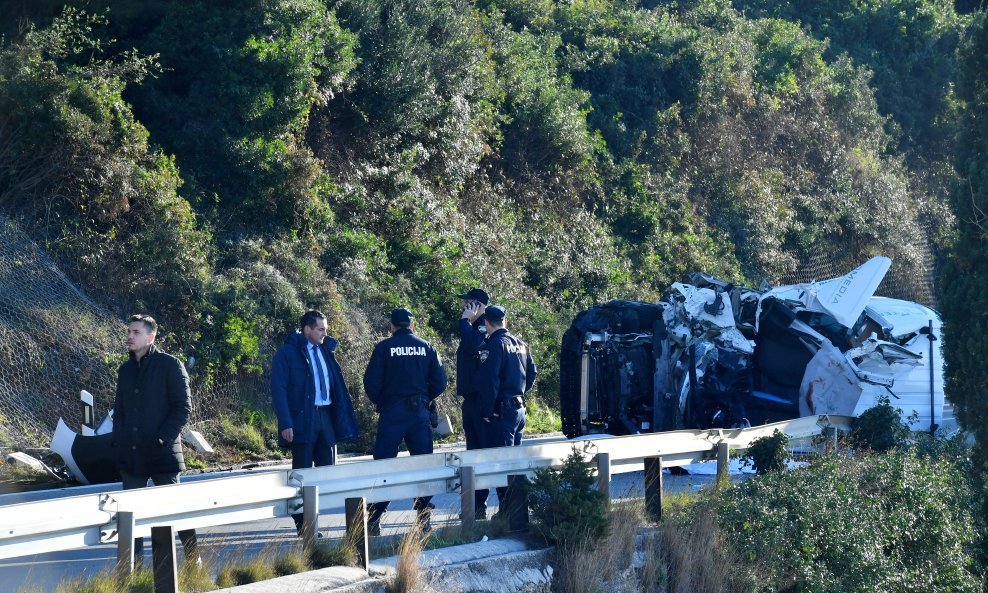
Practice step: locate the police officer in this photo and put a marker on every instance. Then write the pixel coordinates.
(403, 376)
(472, 334)
(506, 373)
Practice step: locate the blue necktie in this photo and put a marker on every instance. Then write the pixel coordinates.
(320, 376)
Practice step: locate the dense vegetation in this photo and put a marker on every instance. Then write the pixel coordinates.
(884, 510)
(226, 164)
(896, 522)
(967, 270)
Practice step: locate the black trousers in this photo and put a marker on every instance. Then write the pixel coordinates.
(318, 452)
(188, 536)
(398, 422)
(475, 431)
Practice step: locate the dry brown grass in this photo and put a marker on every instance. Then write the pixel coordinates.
(697, 560)
(625, 518)
(652, 574)
(409, 576)
(602, 565)
(682, 557)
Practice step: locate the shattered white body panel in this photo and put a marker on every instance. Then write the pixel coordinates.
(831, 385)
(914, 383)
(843, 298)
(909, 374)
(696, 305)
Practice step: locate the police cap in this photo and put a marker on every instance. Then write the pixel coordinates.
(402, 316)
(476, 294)
(495, 313)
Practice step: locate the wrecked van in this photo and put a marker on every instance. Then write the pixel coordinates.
(715, 355)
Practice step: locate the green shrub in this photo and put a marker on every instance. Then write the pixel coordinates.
(567, 508)
(880, 428)
(238, 85)
(78, 168)
(892, 522)
(768, 454)
(540, 418)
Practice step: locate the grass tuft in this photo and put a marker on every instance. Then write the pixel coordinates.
(696, 559)
(245, 572)
(602, 565)
(341, 553)
(246, 439)
(409, 576)
(652, 574)
(625, 518)
(292, 562)
(195, 578)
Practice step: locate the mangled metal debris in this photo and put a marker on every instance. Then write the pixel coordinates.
(712, 355)
(89, 454)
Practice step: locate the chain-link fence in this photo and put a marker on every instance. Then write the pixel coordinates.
(54, 342)
(915, 280)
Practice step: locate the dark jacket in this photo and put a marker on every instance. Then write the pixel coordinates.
(506, 370)
(153, 402)
(404, 367)
(293, 391)
(471, 339)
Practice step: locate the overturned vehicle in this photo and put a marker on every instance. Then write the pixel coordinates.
(715, 355)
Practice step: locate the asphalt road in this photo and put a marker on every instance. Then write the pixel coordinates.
(222, 545)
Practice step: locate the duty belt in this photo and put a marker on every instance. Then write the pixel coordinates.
(517, 402)
(416, 403)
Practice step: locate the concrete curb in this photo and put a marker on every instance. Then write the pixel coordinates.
(496, 566)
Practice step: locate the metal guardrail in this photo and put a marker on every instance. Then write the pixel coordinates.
(79, 521)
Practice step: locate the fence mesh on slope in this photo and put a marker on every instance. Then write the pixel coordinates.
(55, 342)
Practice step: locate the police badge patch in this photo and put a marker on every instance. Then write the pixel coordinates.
(482, 355)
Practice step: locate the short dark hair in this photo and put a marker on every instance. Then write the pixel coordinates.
(310, 318)
(495, 322)
(147, 320)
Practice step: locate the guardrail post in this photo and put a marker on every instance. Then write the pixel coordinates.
(468, 512)
(165, 561)
(723, 462)
(310, 516)
(356, 529)
(604, 475)
(125, 542)
(830, 436)
(653, 487)
(516, 502)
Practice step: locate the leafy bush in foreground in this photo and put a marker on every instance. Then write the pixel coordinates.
(768, 454)
(567, 508)
(880, 428)
(894, 522)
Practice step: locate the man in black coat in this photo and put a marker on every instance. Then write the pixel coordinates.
(472, 333)
(506, 373)
(152, 405)
(403, 376)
